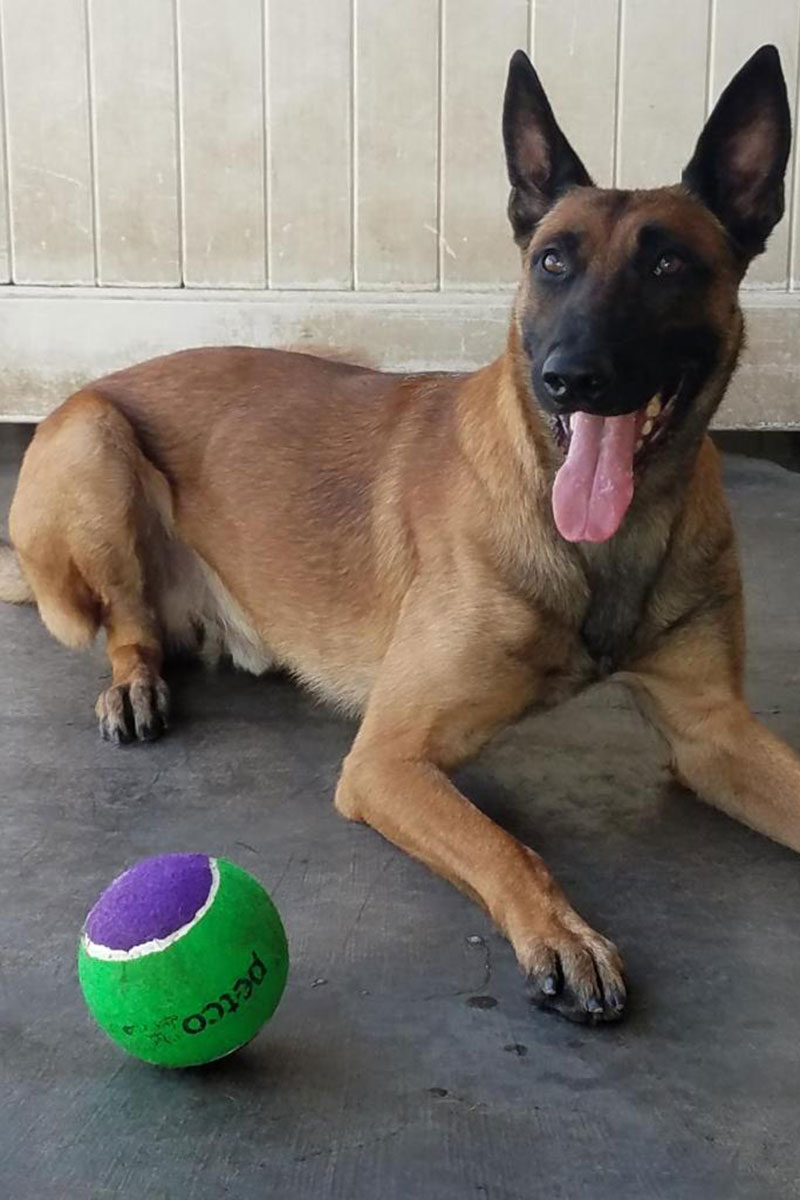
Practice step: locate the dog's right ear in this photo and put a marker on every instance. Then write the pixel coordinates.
(541, 163)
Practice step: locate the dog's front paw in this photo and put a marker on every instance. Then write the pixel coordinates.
(134, 711)
(575, 972)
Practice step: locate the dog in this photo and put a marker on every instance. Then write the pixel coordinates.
(445, 553)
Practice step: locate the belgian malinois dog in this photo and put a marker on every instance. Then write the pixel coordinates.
(444, 553)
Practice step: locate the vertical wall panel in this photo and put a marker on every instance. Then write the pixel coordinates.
(309, 81)
(793, 184)
(134, 77)
(48, 141)
(221, 55)
(575, 53)
(662, 89)
(5, 254)
(479, 38)
(382, 148)
(397, 63)
(741, 26)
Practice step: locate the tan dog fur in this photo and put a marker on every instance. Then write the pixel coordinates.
(389, 540)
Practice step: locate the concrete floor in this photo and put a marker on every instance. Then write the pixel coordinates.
(381, 1077)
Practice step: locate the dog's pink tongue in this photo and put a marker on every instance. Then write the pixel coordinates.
(594, 487)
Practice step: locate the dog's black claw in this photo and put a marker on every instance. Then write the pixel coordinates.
(151, 731)
(579, 1014)
(615, 999)
(562, 1007)
(550, 985)
(115, 735)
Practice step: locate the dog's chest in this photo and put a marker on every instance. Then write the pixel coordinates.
(620, 580)
(613, 619)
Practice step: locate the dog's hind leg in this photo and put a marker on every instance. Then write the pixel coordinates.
(89, 512)
(14, 587)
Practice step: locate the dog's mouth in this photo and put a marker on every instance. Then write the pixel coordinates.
(653, 422)
(594, 486)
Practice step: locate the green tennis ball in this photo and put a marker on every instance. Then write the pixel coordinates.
(183, 959)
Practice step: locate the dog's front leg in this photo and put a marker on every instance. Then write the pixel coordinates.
(571, 968)
(690, 690)
(437, 700)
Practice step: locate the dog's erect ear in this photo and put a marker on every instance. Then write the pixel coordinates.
(740, 159)
(541, 163)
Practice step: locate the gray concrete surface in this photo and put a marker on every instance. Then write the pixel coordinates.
(380, 1077)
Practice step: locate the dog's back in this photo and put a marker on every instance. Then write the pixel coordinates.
(261, 501)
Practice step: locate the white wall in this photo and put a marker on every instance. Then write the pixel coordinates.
(176, 171)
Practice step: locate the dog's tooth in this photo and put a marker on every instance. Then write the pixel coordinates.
(639, 443)
(654, 407)
(647, 427)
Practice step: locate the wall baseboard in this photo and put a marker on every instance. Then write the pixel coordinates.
(53, 340)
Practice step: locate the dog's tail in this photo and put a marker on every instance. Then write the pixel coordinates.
(14, 587)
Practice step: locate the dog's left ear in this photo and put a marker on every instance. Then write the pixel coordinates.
(541, 163)
(740, 159)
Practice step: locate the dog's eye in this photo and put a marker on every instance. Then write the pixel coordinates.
(668, 264)
(553, 263)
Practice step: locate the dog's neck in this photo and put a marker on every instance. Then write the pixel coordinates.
(507, 440)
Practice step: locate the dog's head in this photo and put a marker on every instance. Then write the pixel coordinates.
(628, 309)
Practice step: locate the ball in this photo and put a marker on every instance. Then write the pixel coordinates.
(182, 959)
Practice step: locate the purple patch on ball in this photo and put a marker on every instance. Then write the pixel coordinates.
(153, 899)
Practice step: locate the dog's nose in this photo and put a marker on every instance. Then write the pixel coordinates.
(572, 378)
